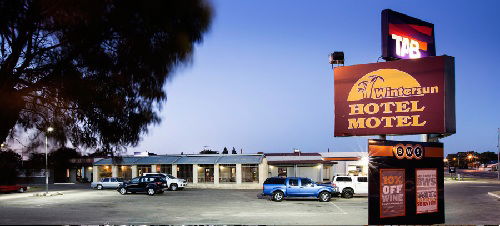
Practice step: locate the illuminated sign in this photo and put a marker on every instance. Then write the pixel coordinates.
(397, 97)
(408, 151)
(405, 37)
(405, 182)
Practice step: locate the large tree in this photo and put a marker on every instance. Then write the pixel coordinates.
(59, 161)
(10, 163)
(92, 69)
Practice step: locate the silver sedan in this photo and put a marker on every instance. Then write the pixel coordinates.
(107, 182)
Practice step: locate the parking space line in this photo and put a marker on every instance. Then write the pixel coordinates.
(341, 211)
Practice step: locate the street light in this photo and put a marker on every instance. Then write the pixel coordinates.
(50, 129)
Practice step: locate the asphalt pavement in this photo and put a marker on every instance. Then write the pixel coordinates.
(465, 203)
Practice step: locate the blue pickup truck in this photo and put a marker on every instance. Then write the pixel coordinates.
(279, 188)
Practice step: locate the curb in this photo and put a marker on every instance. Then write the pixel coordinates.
(494, 195)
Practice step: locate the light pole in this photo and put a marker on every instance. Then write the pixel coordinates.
(498, 155)
(50, 129)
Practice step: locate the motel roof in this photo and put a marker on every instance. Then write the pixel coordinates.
(185, 159)
(310, 158)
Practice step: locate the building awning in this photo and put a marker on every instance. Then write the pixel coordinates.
(158, 159)
(296, 160)
(197, 160)
(343, 158)
(183, 159)
(118, 161)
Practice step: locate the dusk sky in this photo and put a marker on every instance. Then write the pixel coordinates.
(261, 81)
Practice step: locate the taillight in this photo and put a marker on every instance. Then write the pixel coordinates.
(158, 183)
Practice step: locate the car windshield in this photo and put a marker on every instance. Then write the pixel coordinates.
(170, 177)
(119, 179)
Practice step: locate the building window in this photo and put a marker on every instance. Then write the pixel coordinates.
(104, 171)
(185, 171)
(125, 172)
(205, 173)
(354, 170)
(250, 173)
(227, 173)
(141, 169)
(282, 172)
(164, 169)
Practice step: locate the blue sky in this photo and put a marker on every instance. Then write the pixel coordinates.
(261, 81)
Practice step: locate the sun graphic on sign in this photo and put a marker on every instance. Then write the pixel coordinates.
(380, 83)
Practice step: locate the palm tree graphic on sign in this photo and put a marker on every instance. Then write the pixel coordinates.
(362, 87)
(367, 87)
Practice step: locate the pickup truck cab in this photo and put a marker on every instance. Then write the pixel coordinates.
(173, 183)
(350, 185)
(279, 188)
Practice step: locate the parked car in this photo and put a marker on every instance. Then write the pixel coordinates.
(279, 188)
(350, 185)
(13, 188)
(150, 184)
(173, 183)
(107, 182)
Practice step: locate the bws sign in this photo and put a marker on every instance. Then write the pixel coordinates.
(397, 97)
(408, 151)
(405, 37)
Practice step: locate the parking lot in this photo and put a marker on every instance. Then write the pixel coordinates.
(190, 206)
(466, 203)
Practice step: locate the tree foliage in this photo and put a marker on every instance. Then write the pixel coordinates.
(487, 157)
(94, 70)
(10, 163)
(208, 151)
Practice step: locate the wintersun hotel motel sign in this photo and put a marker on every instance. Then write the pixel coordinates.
(398, 97)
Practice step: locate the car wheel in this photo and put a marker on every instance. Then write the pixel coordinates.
(123, 191)
(151, 191)
(173, 187)
(21, 190)
(325, 196)
(278, 196)
(347, 193)
(99, 187)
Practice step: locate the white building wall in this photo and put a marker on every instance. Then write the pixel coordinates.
(309, 172)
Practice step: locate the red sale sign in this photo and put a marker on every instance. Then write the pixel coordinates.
(427, 192)
(392, 193)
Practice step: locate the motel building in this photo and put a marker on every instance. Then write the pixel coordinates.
(234, 170)
(208, 170)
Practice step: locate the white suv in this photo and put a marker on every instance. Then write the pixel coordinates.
(173, 183)
(350, 185)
